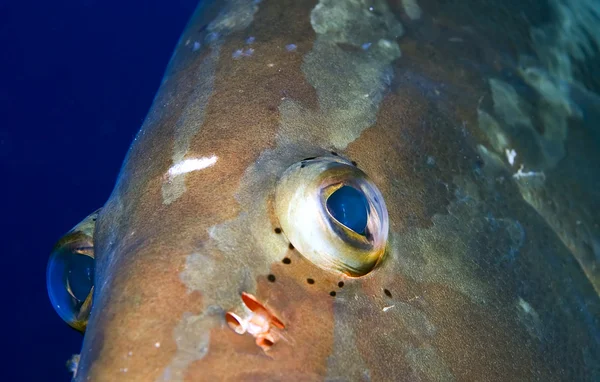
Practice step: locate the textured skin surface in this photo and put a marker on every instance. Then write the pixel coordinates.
(475, 283)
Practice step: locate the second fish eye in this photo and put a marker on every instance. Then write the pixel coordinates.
(70, 274)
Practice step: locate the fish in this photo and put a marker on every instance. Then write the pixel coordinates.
(348, 191)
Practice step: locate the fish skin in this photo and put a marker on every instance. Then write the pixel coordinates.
(459, 294)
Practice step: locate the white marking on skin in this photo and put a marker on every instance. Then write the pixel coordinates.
(192, 335)
(511, 155)
(189, 165)
(522, 174)
(386, 308)
(189, 123)
(157, 344)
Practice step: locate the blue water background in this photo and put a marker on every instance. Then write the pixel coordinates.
(78, 78)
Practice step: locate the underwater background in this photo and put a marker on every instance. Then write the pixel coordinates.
(78, 80)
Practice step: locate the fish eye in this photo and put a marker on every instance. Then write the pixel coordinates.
(70, 274)
(333, 214)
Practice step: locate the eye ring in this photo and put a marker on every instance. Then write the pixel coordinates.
(70, 274)
(301, 204)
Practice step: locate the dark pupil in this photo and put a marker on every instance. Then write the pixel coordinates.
(349, 206)
(81, 276)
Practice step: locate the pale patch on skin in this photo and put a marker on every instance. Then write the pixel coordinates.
(241, 253)
(508, 104)
(559, 47)
(192, 336)
(350, 106)
(496, 136)
(540, 155)
(514, 112)
(344, 363)
(237, 15)
(442, 254)
(412, 9)
(426, 363)
(491, 159)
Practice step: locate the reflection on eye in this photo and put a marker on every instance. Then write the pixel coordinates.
(333, 214)
(70, 274)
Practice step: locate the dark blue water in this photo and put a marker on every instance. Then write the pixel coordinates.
(78, 78)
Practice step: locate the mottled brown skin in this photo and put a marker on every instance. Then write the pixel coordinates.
(142, 244)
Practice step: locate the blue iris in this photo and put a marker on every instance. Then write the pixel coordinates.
(349, 206)
(67, 269)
